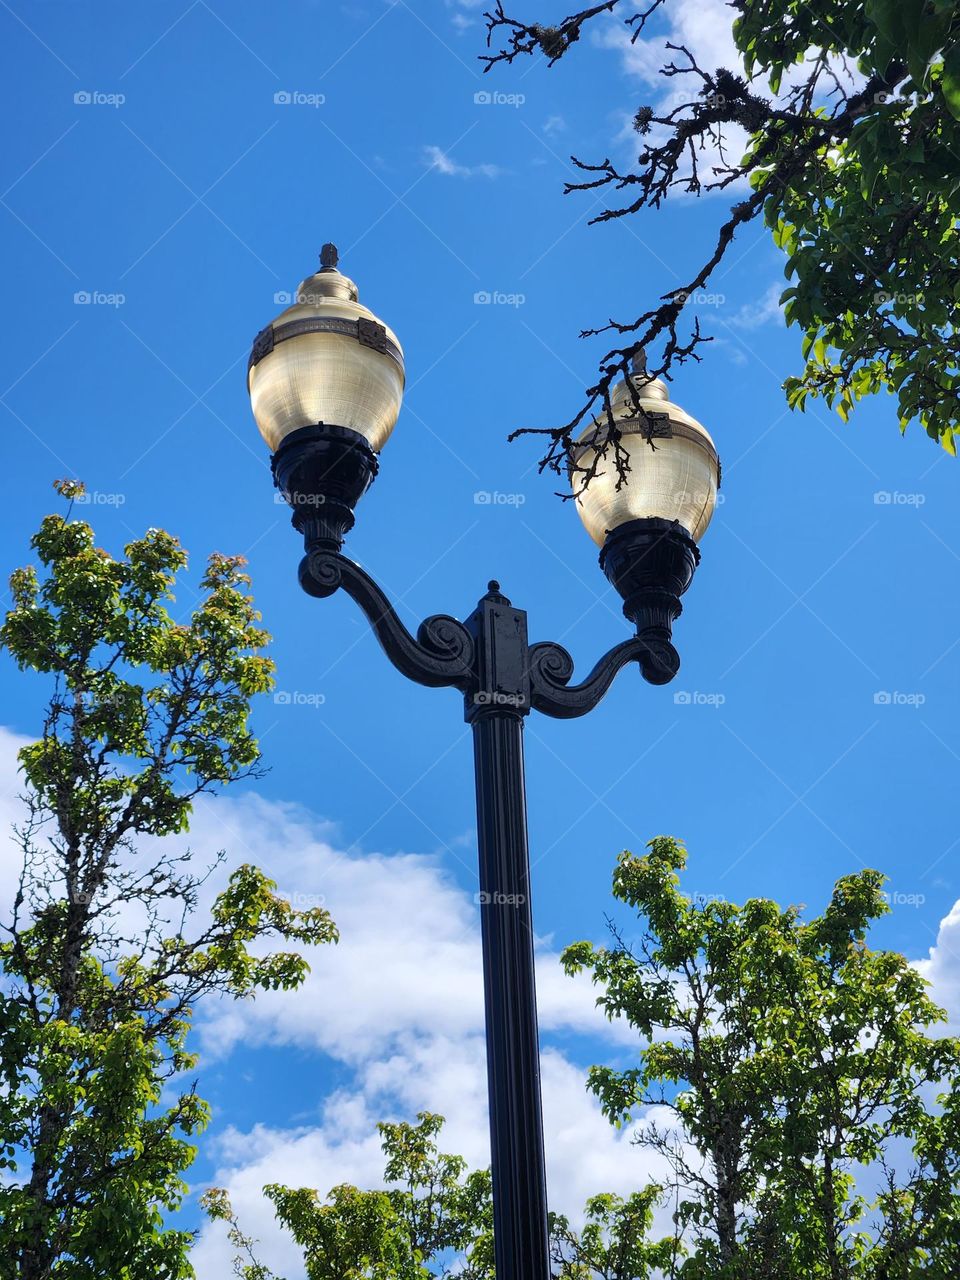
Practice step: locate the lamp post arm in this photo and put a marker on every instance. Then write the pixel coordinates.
(440, 655)
(551, 668)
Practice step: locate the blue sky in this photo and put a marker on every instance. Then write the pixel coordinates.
(183, 193)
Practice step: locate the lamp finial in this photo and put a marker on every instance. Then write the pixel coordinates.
(329, 257)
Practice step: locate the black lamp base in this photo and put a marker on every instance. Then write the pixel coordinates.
(323, 472)
(651, 562)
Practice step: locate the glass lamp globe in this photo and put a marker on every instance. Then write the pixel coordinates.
(648, 530)
(326, 383)
(326, 360)
(674, 467)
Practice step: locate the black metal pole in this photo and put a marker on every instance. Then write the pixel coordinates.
(495, 706)
(513, 1053)
(503, 678)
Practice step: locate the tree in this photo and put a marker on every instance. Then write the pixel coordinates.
(105, 953)
(433, 1213)
(841, 130)
(790, 1079)
(796, 1070)
(436, 1220)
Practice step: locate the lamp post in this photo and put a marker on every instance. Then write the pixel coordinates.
(326, 382)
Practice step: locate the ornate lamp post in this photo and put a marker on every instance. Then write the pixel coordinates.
(326, 382)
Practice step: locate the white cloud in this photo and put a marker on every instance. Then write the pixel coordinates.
(409, 956)
(942, 967)
(734, 353)
(585, 1154)
(398, 1006)
(752, 315)
(11, 812)
(399, 1002)
(437, 158)
(554, 125)
(705, 27)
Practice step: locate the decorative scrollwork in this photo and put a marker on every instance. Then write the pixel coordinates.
(551, 668)
(447, 638)
(442, 653)
(320, 573)
(660, 663)
(550, 664)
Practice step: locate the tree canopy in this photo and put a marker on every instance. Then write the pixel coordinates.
(790, 1077)
(106, 949)
(435, 1219)
(791, 1087)
(840, 130)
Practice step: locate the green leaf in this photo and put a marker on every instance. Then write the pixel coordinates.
(950, 81)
